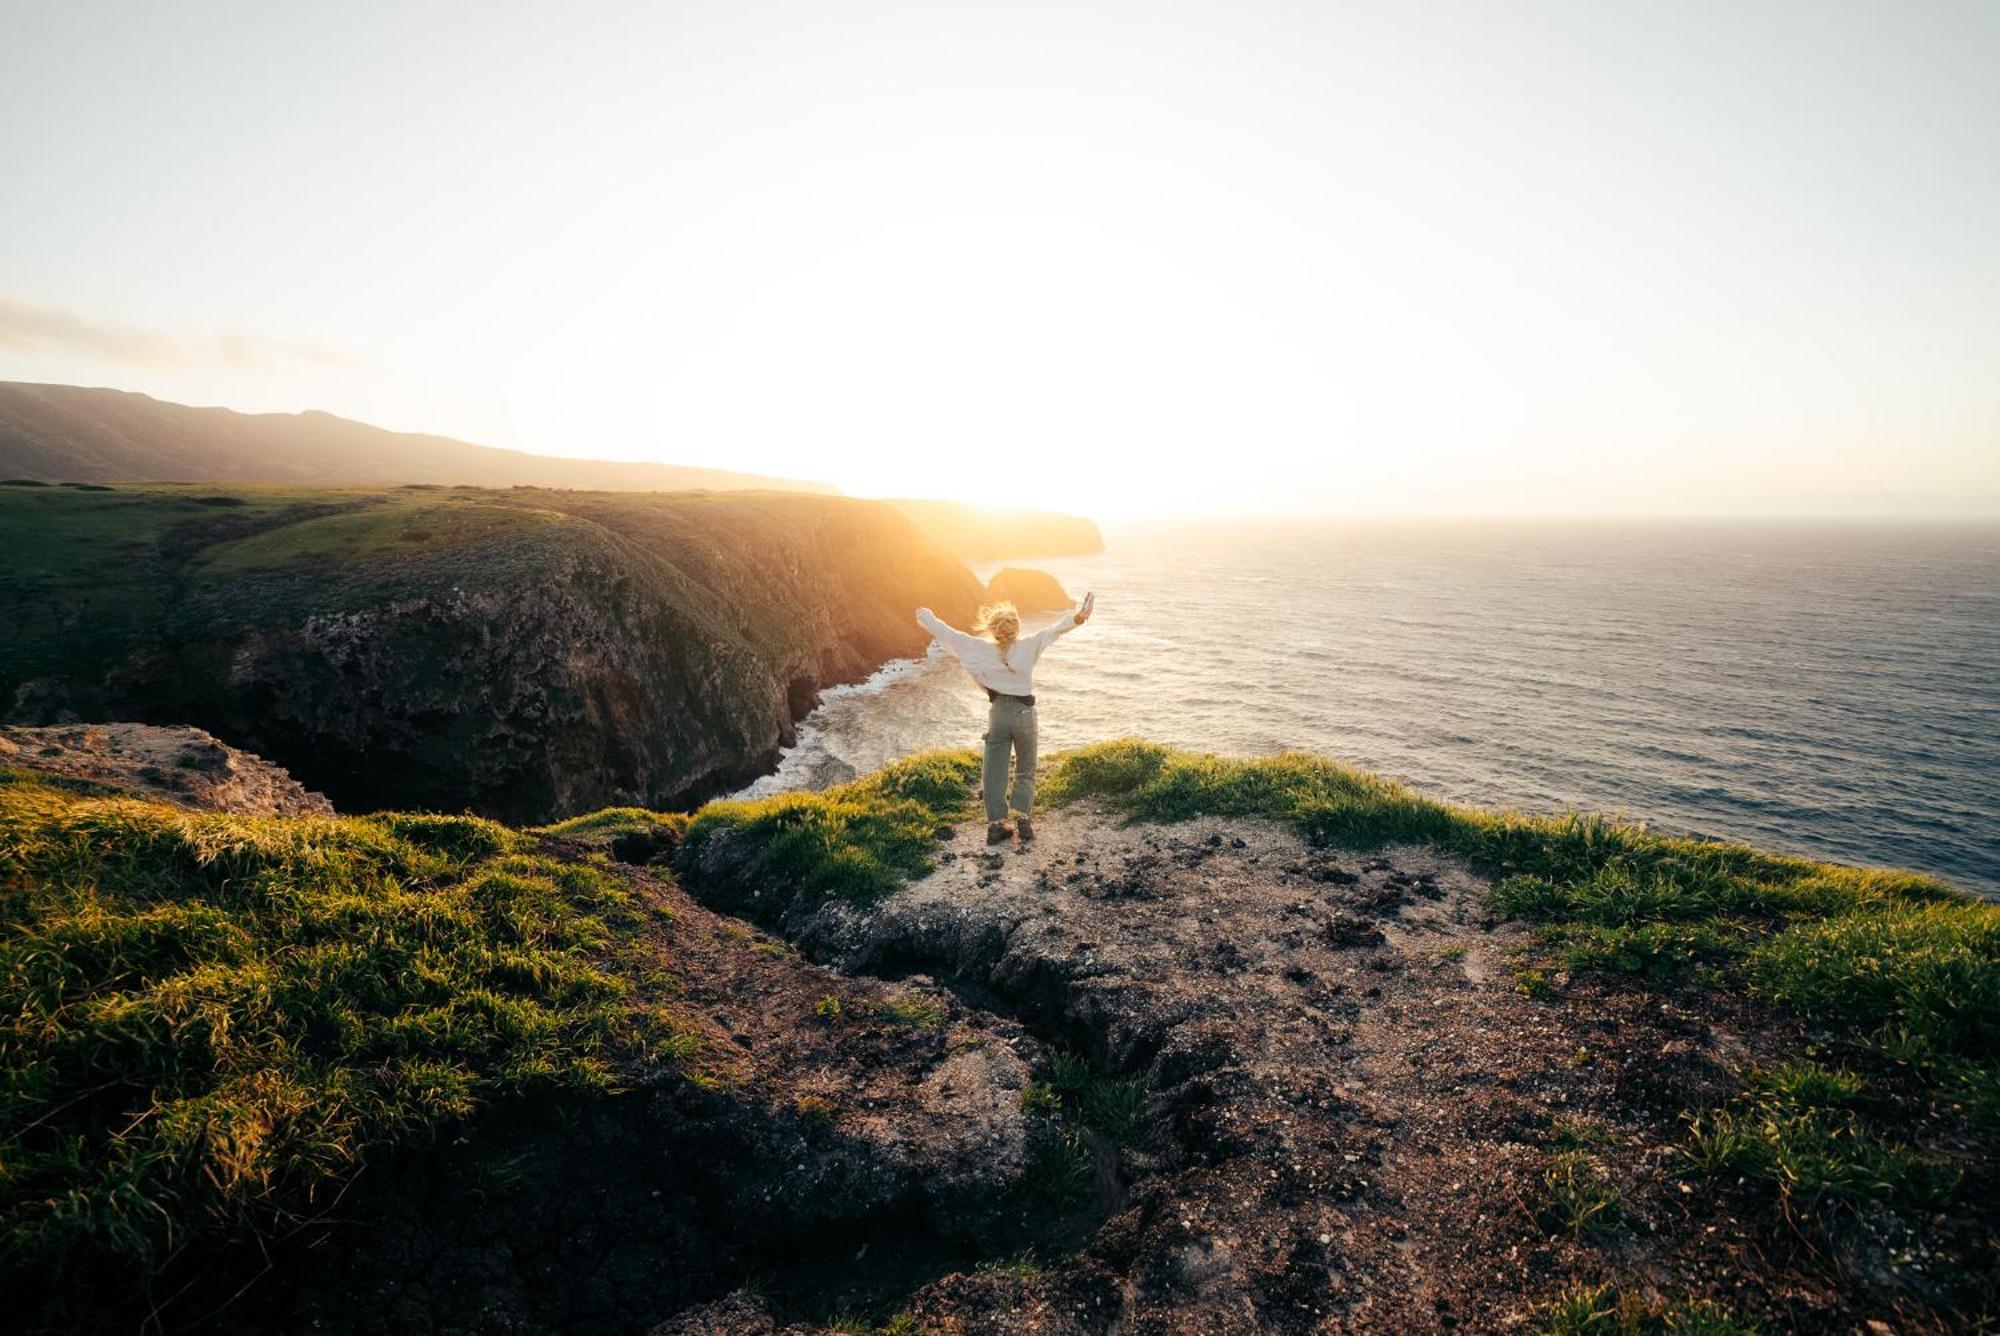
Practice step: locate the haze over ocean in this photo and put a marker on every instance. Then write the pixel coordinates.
(1827, 689)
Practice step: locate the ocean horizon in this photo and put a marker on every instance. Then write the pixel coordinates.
(1824, 688)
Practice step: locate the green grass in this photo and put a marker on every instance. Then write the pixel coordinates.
(1061, 1162)
(1928, 969)
(1113, 1106)
(1605, 1310)
(1577, 1133)
(610, 823)
(1582, 1201)
(1795, 1128)
(859, 842)
(208, 1021)
(914, 1010)
(1076, 1114)
(1041, 1097)
(391, 529)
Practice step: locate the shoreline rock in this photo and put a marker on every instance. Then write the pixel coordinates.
(1028, 590)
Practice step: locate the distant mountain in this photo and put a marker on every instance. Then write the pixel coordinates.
(69, 433)
(978, 534)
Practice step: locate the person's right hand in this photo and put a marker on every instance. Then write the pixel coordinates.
(1083, 609)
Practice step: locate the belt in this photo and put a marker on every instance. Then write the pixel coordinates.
(998, 696)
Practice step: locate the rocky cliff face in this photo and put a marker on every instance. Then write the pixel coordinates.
(524, 654)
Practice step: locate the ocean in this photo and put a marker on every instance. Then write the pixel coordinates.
(1826, 689)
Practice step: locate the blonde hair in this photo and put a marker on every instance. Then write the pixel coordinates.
(1003, 622)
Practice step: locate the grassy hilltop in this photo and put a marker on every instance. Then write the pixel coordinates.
(524, 653)
(213, 1023)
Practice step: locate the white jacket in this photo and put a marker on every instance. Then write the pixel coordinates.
(1012, 676)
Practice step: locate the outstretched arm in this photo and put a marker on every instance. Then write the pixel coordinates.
(1069, 621)
(950, 637)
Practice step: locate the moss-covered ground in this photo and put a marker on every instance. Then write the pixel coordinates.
(207, 1021)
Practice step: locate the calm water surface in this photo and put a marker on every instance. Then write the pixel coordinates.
(1831, 690)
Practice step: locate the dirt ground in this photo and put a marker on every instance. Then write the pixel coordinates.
(1352, 1109)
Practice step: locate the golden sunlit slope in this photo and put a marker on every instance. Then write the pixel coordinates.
(68, 433)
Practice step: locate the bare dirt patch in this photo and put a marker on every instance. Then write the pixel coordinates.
(1356, 1119)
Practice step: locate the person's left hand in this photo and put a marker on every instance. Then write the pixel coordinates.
(1084, 608)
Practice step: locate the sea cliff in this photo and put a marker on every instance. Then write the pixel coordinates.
(524, 654)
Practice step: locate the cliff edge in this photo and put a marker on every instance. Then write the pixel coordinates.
(524, 653)
(1236, 1045)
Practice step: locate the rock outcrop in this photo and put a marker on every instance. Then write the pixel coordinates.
(524, 654)
(182, 766)
(1027, 590)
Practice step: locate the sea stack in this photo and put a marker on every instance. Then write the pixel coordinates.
(1028, 590)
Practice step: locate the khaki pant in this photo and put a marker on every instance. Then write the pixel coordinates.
(1010, 726)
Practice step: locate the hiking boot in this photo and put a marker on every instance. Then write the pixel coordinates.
(1026, 829)
(997, 832)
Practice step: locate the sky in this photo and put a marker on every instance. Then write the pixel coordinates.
(1588, 258)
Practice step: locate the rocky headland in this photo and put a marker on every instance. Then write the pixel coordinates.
(980, 534)
(1027, 590)
(524, 654)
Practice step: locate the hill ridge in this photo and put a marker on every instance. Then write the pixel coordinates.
(76, 433)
